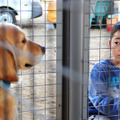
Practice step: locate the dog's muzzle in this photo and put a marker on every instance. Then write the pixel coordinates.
(43, 50)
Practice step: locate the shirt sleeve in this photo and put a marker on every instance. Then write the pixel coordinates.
(98, 93)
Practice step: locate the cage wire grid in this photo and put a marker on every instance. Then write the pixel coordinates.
(100, 50)
(36, 93)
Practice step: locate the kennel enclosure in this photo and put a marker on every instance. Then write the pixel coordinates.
(57, 88)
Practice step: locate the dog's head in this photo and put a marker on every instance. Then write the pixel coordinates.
(16, 52)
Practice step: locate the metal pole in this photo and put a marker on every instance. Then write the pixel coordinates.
(78, 55)
(76, 63)
(66, 59)
(75, 42)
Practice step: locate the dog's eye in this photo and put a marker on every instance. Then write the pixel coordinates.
(23, 41)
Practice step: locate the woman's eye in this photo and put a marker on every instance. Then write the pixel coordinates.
(23, 41)
(117, 43)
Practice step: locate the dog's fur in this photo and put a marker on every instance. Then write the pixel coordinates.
(16, 52)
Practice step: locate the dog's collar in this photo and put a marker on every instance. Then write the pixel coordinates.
(5, 84)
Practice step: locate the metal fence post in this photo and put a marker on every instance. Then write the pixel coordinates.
(79, 57)
(66, 59)
(59, 60)
(75, 58)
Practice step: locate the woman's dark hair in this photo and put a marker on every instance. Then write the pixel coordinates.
(115, 28)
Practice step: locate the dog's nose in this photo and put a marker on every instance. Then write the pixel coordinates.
(43, 49)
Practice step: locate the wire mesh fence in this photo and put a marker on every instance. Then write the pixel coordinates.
(103, 88)
(87, 24)
(36, 93)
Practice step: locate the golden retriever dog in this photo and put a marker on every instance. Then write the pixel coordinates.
(16, 52)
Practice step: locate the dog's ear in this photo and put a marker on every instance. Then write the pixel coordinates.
(8, 68)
